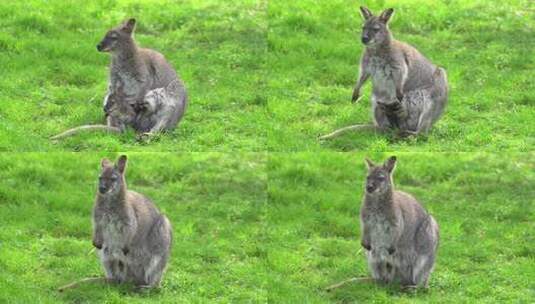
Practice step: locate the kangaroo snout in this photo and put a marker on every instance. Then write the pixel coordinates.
(102, 189)
(365, 39)
(101, 48)
(370, 188)
(104, 45)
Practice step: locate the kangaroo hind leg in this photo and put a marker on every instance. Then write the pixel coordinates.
(435, 100)
(427, 238)
(160, 244)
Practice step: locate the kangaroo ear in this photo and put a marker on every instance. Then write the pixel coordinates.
(129, 26)
(369, 163)
(390, 164)
(121, 163)
(386, 14)
(365, 12)
(105, 163)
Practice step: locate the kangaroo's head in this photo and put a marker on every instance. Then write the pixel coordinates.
(379, 180)
(118, 37)
(111, 179)
(375, 30)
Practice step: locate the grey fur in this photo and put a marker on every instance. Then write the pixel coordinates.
(409, 92)
(400, 237)
(119, 115)
(133, 237)
(137, 72)
(144, 91)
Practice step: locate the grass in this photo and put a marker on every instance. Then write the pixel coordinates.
(261, 210)
(484, 204)
(486, 47)
(214, 201)
(277, 228)
(54, 79)
(266, 75)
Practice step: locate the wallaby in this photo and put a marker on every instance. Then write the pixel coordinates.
(138, 75)
(132, 237)
(399, 236)
(409, 92)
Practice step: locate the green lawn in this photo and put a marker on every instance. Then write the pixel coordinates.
(266, 75)
(213, 200)
(262, 211)
(486, 47)
(484, 204)
(229, 248)
(54, 79)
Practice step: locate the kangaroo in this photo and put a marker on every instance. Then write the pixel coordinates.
(132, 237)
(399, 236)
(145, 82)
(409, 92)
(142, 70)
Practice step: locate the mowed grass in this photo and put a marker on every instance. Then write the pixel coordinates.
(484, 204)
(269, 228)
(214, 201)
(54, 79)
(486, 47)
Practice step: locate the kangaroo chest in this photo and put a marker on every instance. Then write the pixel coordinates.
(380, 229)
(382, 73)
(131, 83)
(114, 228)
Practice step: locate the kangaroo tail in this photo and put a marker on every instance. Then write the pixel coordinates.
(343, 130)
(76, 130)
(85, 280)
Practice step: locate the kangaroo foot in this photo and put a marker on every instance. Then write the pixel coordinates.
(146, 136)
(410, 288)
